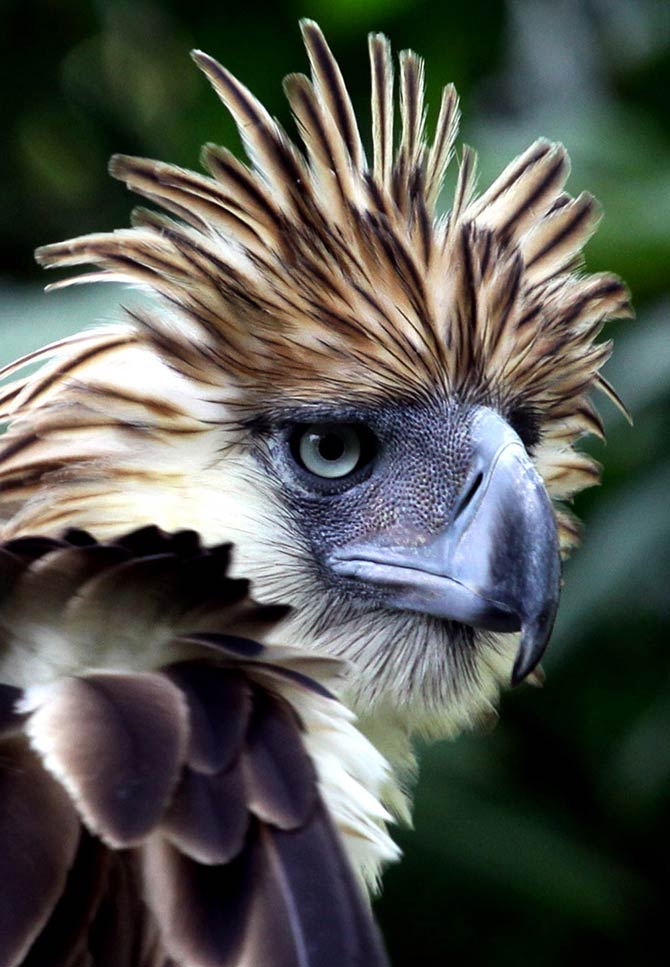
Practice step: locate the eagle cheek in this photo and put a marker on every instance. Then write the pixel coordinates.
(495, 565)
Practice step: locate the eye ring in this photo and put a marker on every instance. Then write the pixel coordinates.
(331, 451)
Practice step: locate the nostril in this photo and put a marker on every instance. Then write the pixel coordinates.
(469, 494)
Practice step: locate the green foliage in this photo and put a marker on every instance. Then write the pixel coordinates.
(545, 840)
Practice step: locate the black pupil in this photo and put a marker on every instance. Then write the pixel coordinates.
(331, 446)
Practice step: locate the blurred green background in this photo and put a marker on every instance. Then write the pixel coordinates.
(544, 841)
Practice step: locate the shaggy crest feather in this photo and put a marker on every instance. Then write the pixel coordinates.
(310, 271)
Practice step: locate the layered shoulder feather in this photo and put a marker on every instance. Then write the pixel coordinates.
(169, 784)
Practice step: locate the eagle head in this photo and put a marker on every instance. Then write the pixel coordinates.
(376, 402)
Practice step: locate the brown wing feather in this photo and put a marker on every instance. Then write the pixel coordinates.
(117, 742)
(169, 812)
(40, 833)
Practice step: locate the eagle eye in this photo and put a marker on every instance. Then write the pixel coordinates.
(332, 451)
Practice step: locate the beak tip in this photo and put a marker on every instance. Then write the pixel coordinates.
(519, 672)
(531, 649)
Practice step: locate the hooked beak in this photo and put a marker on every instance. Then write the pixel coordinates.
(495, 566)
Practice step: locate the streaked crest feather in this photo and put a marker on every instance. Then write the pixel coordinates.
(307, 271)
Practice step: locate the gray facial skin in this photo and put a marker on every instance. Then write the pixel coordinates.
(445, 515)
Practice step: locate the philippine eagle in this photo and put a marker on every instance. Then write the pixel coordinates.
(363, 407)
